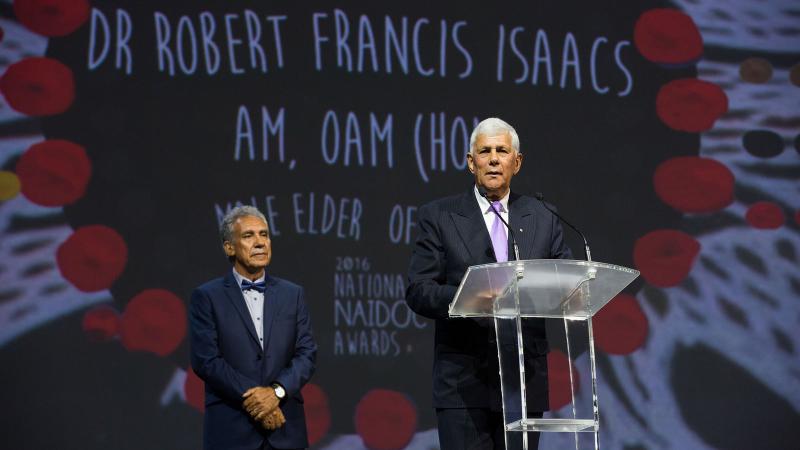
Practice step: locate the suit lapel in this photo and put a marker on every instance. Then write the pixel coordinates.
(234, 293)
(522, 221)
(471, 228)
(270, 307)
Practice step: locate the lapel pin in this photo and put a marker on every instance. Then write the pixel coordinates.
(520, 230)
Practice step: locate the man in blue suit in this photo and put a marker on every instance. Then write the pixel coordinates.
(251, 344)
(455, 233)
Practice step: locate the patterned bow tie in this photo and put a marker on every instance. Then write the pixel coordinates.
(259, 286)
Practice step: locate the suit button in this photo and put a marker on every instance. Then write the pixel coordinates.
(258, 357)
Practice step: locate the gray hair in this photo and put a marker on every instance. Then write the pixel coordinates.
(494, 127)
(226, 227)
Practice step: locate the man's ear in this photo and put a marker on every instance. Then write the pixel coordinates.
(228, 247)
(470, 163)
(519, 163)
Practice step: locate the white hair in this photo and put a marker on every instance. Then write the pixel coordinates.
(494, 127)
(226, 228)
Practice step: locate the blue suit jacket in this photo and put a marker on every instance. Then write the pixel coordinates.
(453, 236)
(226, 354)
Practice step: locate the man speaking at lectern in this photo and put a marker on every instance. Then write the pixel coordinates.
(251, 345)
(461, 231)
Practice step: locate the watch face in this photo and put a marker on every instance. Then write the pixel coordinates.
(280, 392)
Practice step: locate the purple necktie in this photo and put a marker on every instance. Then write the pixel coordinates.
(499, 238)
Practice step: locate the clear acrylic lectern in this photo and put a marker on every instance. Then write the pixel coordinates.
(516, 292)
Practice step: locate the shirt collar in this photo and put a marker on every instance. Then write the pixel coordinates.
(484, 204)
(239, 278)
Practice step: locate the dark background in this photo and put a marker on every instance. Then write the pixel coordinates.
(162, 155)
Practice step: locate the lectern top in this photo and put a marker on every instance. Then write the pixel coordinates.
(539, 288)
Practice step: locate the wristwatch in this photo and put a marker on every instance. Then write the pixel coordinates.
(280, 392)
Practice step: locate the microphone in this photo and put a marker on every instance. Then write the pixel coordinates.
(482, 192)
(587, 253)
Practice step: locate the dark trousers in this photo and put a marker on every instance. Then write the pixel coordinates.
(474, 429)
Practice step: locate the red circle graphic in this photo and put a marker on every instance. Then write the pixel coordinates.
(667, 36)
(665, 257)
(385, 420)
(38, 86)
(690, 105)
(154, 321)
(765, 216)
(558, 373)
(92, 258)
(52, 17)
(101, 323)
(318, 412)
(693, 184)
(194, 390)
(621, 326)
(54, 172)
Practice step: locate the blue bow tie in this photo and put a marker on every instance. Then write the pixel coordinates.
(259, 286)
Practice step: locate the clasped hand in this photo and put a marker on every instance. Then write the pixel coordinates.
(262, 405)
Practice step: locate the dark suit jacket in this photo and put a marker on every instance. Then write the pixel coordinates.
(453, 236)
(226, 354)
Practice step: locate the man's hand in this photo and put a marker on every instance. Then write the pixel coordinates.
(260, 402)
(273, 420)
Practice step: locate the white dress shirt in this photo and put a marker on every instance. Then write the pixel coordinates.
(255, 304)
(488, 215)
